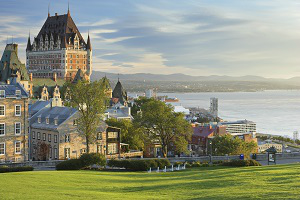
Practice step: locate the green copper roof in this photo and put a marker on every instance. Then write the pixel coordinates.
(10, 64)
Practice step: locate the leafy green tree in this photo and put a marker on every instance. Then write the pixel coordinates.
(162, 124)
(137, 106)
(89, 99)
(130, 133)
(227, 144)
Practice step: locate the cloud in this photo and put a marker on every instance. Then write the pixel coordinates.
(229, 37)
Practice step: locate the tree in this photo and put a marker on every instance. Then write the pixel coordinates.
(162, 124)
(89, 99)
(227, 144)
(131, 133)
(138, 103)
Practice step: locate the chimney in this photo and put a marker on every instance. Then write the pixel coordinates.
(56, 14)
(30, 76)
(54, 76)
(8, 81)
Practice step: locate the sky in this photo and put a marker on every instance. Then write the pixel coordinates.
(193, 37)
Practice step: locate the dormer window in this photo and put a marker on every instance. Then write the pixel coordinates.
(75, 122)
(39, 120)
(2, 93)
(18, 92)
(55, 121)
(47, 120)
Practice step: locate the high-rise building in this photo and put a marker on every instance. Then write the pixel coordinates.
(214, 107)
(240, 127)
(296, 135)
(59, 50)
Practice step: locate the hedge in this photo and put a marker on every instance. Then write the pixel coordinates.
(241, 163)
(139, 165)
(84, 161)
(5, 169)
(73, 164)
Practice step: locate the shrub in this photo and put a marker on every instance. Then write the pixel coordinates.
(161, 163)
(205, 165)
(196, 164)
(188, 165)
(133, 165)
(73, 164)
(241, 163)
(178, 163)
(4, 169)
(218, 162)
(89, 159)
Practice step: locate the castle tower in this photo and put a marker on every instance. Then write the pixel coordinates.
(60, 49)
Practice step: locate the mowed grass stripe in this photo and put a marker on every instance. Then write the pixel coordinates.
(267, 182)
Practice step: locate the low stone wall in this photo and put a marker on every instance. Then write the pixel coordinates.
(34, 164)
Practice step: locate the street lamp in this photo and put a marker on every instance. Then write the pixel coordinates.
(210, 155)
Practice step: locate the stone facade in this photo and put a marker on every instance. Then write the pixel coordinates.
(13, 123)
(54, 136)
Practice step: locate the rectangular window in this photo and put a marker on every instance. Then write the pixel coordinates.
(99, 136)
(55, 153)
(67, 138)
(18, 110)
(18, 92)
(39, 120)
(75, 122)
(18, 147)
(99, 149)
(50, 152)
(47, 120)
(82, 151)
(44, 136)
(67, 153)
(38, 135)
(2, 148)
(55, 122)
(33, 134)
(2, 94)
(112, 148)
(2, 111)
(49, 137)
(2, 129)
(18, 128)
(55, 138)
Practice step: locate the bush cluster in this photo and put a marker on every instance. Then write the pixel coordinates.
(84, 161)
(4, 169)
(139, 165)
(241, 163)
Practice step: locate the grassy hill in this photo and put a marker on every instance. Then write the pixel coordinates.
(267, 182)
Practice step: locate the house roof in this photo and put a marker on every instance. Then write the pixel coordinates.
(37, 106)
(203, 131)
(10, 90)
(59, 113)
(120, 93)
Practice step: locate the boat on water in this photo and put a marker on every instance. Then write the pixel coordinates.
(171, 100)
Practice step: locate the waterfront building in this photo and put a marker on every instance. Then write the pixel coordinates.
(263, 146)
(240, 127)
(13, 122)
(214, 107)
(59, 50)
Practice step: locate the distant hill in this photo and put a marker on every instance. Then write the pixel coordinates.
(96, 75)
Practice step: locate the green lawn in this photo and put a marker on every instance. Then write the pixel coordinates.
(268, 182)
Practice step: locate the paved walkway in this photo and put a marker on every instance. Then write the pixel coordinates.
(282, 161)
